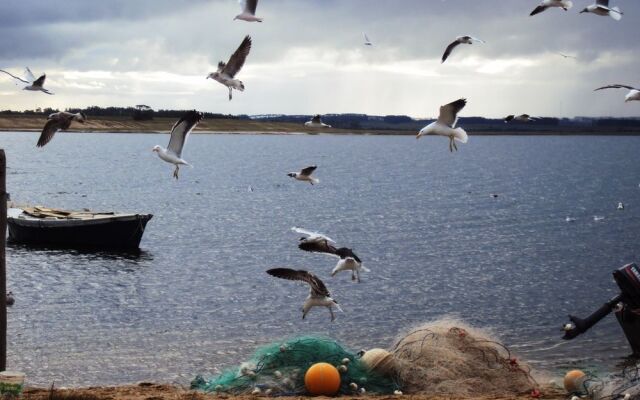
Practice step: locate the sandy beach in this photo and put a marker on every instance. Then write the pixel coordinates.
(151, 391)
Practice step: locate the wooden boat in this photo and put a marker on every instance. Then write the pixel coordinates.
(76, 229)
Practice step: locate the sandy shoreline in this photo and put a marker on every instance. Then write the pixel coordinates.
(152, 391)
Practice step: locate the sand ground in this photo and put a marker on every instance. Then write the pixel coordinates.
(151, 391)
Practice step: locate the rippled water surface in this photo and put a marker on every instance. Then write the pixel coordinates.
(197, 299)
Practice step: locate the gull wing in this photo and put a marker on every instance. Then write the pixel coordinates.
(317, 286)
(312, 234)
(237, 59)
(316, 119)
(616, 86)
(249, 6)
(55, 123)
(309, 170)
(449, 112)
(29, 75)
(449, 49)
(181, 130)
(40, 81)
(538, 10)
(322, 246)
(13, 76)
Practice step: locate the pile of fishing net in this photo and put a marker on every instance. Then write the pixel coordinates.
(440, 358)
(279, 369)
(447, 357)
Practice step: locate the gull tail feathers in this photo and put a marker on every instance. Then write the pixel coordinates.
(365, 269)
(461, 135)
(337, 306)
(315, 180)
(615, 13)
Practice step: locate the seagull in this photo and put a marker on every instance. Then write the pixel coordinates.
(602, 8)
(634, 93)
(319, 243)
(446, 124)
(459, 40)
(566, 55)
(597, 218)
(10, 300)
(305, 175)
(367, 42)
(620, 206)
(248, 11)
(519, 118)
(227, 71)
(564, 4)
(33, 84)
(173, 153)
(570, 219)
(319, 296)
(316, 122)
(58, 121)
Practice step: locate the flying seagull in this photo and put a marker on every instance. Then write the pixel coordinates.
(305, 175)
(602, 8)
(33, 84)
(545, 4)
(173, 153)
(455, 43)
(348, 260)
(56, 122)
(519, 118)
(566, 55)
(319, 296)
(248, 11)
(367, 42)
(316, 122)
(634, 93)
(227, 71)
(445, 125)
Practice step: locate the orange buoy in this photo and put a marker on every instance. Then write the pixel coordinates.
(322, 379)
(573, 381)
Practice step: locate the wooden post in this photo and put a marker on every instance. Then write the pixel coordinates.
(3, 265)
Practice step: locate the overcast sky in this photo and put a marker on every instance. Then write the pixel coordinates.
(308, 56)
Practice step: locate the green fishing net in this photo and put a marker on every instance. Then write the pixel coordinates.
(279, 369)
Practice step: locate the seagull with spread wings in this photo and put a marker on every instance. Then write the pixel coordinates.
(33, 84)
(319, 295)
(602, 8)
(227, 71)
(56, 122)
(173, 153)
(519, 118)
(348, 260)
(634, 93)
(316, 122)
(445, 125)
(545, 4)
(305, 175)
(248, 11)
(459, 40)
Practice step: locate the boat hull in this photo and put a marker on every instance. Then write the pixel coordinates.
(117, 232)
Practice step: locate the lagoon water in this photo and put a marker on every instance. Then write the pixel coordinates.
(197, 299)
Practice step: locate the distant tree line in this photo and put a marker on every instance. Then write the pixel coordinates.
(352, 121)
(139, 112)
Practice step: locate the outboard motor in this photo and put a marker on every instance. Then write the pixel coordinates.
(626, 305)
